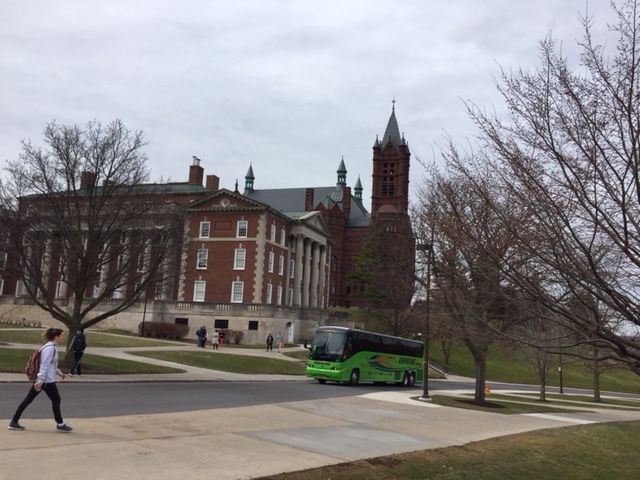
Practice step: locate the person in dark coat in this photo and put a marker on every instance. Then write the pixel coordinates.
(269, 342)
(79, 344)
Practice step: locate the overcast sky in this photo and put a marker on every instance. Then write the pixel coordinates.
(290, 86)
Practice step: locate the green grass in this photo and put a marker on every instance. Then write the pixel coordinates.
(302, 355)
(502, 368)
(33, 336)
(13, 360)
(228, 362)
(600, 451)
(564, 399)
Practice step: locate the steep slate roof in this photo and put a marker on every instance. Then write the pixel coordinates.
(291, 202)
(392, 133)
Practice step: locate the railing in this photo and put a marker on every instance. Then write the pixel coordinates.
(438, 368)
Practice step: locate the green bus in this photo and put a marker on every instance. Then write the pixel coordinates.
(349, 355)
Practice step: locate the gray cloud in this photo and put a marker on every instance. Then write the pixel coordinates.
(289, 86)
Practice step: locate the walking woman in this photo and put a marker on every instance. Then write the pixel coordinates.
(45, 381)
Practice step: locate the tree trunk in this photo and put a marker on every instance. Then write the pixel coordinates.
(596, 383)
(543, 384)
(480, 363)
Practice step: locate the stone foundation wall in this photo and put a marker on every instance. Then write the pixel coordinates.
(295, 324)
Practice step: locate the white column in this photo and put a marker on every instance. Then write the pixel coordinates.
(313, 301)
(297, 276)
(306, 274)
(322, 277)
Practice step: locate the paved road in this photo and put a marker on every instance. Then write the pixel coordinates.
(266, 436)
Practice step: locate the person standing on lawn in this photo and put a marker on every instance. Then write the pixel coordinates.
(269, 342)
(279, 341)
(45, 381)
(79, 344)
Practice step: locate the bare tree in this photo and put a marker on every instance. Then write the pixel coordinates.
(84, 229)
(468, 284)
(568, 158)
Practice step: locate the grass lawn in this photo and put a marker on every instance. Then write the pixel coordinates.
(502, 368)
(13, 360)
(600, 451)
(33, 336)
(228, 362)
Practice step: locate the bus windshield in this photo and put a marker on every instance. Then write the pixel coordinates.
(328, 345)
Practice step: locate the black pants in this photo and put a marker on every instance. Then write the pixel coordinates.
(52, 392)
(76, 363)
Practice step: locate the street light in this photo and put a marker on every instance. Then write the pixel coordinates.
(428, 247)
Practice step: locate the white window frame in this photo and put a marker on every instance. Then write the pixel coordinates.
(1, 286)
(19, 287)
(205, 229)
(239, 259)
(271, 261)
(269, 293)
(242, 229)
(292, 268)
(237, 289)
(140, 263)
(283, 237)
(202, 258)
(272, 236)
(199, 289)
(59, 285)
(281, 265)
(290, 297)
(279, 295)
(3, 259)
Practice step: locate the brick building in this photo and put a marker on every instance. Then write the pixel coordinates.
(261, 259)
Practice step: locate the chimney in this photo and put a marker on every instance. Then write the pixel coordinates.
(213, 182)
(196, 172)
(87, 179)
(346, 203)
(308, 200)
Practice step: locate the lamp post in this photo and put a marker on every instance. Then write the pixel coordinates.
(560, 372)
(428, 247)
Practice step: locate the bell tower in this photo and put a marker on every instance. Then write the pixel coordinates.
(390, 183)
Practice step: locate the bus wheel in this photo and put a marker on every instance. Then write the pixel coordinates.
(354, 378)
(322, 381)
(412, 379)
(406, 380)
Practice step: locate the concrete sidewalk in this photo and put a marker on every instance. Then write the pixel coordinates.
(249, 442)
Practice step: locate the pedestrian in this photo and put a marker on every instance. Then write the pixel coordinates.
(269, 342)
(221, 339)
(205, 337)
(279, 340)
(201, 333)
(216, 339)
(78, 344)
(45, 381)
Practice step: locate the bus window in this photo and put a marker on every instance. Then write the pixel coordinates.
(327, 346)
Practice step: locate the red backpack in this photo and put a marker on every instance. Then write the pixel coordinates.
(33, 365)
